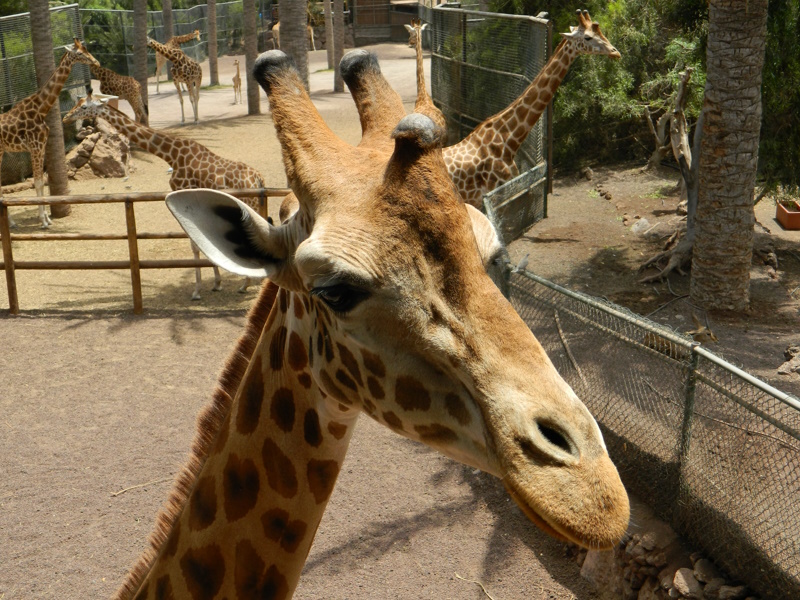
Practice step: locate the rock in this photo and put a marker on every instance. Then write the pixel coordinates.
(711, 591)
(639, 228)
(687, 585)
(649, 591)
(587, 173)
(657, 559)
(111, 155)
(730, 592)
(600, 568)
(705, 571)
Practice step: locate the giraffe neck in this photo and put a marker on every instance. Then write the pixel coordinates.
(102, 74)
(176, 55)
(509, 128)
(181, 39)
(162, 145)
(47, 95)
(422, 93)
(252, 504)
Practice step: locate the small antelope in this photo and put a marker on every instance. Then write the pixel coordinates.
(701, 333)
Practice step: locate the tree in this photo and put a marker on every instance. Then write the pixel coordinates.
(140, 46)
(212, 41)
(328, 32)
(294, 37)
(250, 54)
(338, 43)
(54, 157)
(728, 158)
(166, 13)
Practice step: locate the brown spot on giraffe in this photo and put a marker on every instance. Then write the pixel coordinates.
(240, 486)
(253, 579)
(350, 363)
(281, 474)
(436, 433)
(392, 420)
(346, 380)
(312, 433)
(337, 430)
(373, 363)
(305, 380)
(375, 388)
(282, 409)
(279, 528)
(203, 506)
(332, 389)
(321, 478)
(249, 412)
(297, 357)
(411, 394)
(299, 312)
(164, 589)
(203, 571)
(276, 347)
(457, 409)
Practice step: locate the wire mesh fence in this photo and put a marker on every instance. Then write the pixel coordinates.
(713, 450)
(17, 72)
(475, 52)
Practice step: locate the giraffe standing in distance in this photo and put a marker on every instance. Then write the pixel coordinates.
(237, 85)
(184, 70)
(23, 128)
(123, 86)
(424, 104)
(193, 165)
(276, 36)
(377, 303)
(485, 158)
(173, 42)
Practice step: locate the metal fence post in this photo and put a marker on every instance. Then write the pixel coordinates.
(8, 260)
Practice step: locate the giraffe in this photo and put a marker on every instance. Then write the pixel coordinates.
(414, 31)
(193, 165)
(173, 42)
(485, 158)
(376, 302)
(184, 70)
(23, 127)
(237, 85)
(276, 36)
(424, 103)
(123, 86)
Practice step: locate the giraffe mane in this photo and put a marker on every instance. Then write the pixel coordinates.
(208, 425)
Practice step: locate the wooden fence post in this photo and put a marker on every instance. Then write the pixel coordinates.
(133, 251)
(8, 260)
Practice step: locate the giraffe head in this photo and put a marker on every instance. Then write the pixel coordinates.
(587, 38)
(77, 53)
(416, 28)
(196, 34)
(85, 108)
(395, 316)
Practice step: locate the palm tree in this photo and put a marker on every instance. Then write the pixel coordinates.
(212, 41)
(338, 43)
(169, 28)
(140, 46)
(54, 157)
(250, 54)
(728, 158)
(294, 38)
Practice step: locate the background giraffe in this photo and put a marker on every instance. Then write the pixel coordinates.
(23, 128)
(173, 42)
(193, 165)
(276, 36)
(123, 86)
(184, 70)
(424, 104)
(485, 158)
(369, 319)
(237, 85)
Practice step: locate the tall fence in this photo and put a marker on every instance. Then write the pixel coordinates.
(480, 63)
(713, 450)
(17, 71)
(376, 21)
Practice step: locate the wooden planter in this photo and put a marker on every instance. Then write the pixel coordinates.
(789, 219)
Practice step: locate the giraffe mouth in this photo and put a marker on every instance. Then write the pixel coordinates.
(539, 520)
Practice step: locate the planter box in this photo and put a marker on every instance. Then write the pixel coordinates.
(789, 219)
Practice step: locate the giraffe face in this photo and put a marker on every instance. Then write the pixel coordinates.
(588, 39)
(79, 53)
(85, 108)
(393, 313)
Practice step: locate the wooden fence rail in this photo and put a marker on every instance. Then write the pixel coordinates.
(10, 266)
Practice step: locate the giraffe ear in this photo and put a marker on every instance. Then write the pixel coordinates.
(408, 27)
(230, 233)
(489, 245)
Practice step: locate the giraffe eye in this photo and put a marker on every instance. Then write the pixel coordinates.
(341, 297)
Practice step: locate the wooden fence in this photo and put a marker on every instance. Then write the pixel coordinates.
(10, 266)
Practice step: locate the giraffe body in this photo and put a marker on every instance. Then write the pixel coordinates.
(184, 70)
(23, 127)
(485, 158)
(377, 303)
(124, 87)
(276, 36)
(173, 42)
(237, 85)
(193, 165)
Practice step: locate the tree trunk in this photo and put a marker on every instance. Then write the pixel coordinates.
(338, 43)
(212, 41)
(729, 154)
(328, 32)
(54, 157)
(294, 38)
(169, 28)
(250, 55)
(140, 46)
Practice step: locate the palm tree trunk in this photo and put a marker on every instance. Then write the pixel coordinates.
(140, 46)
(729, 154)
(250, 55)
(169, 28)
(212, 41)
(338, 43)
(294, 39)
(328, 31)
(54, 157)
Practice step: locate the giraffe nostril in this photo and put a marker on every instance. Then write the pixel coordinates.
(555, 437)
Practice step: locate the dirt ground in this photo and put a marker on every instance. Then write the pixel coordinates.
(95, 400)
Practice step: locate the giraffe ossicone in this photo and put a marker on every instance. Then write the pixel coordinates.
(377, 303)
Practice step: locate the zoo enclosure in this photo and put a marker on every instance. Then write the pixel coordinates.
(713, 450)
(10, 266)
(473, 52)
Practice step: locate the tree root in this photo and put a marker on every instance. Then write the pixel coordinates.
(677, 254)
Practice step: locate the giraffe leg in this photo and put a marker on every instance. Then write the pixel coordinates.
(194, 97)
(245, 284)
(180, 97)
(37, 162)
(217, 280)
(11, 222)
(160, 62)
(197, 276)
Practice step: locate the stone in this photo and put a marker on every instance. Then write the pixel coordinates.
(110, 157)
(649, 591)
(686, 585)
(711, 591)
(730, 592)
(705, 571)
(657, 559)
(587, 173)
(599, 567)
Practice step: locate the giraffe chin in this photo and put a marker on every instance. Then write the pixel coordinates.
(538, 520)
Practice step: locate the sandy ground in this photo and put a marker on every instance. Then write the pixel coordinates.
(95, 400)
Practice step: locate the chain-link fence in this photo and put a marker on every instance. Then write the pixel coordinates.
(376, 21)
(481, 63)
(17, 73)
(713, 450)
